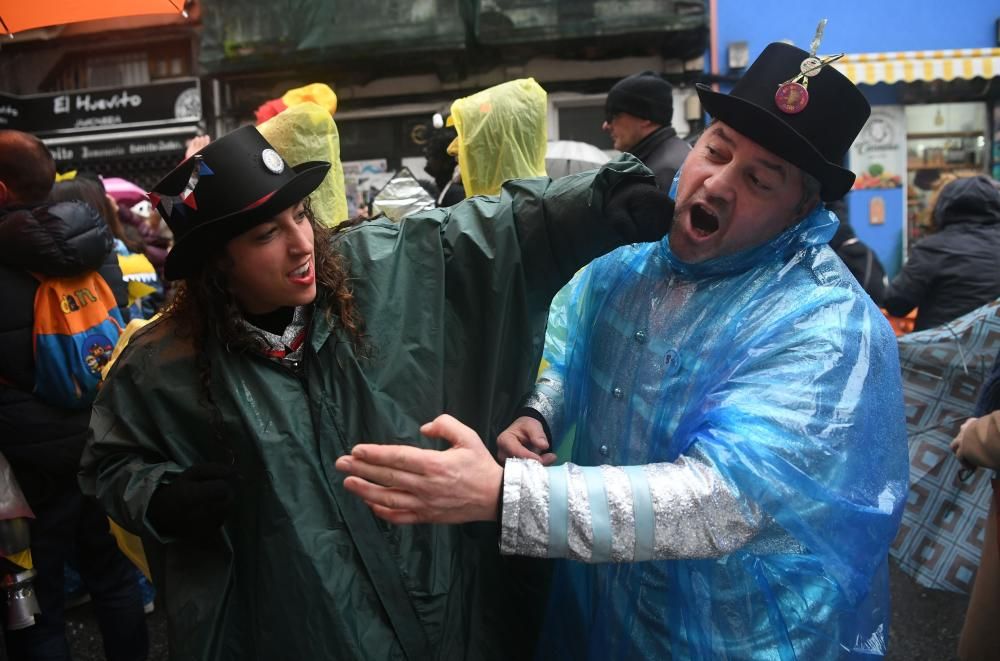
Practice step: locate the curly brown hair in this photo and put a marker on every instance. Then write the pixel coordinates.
(204, 307)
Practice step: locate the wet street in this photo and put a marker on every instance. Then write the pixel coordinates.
(925, 625)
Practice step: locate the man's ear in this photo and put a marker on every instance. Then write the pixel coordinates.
(5, 196)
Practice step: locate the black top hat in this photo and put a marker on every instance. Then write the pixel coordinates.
(225, 189)
(815, 135)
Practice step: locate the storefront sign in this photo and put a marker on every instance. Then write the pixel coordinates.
(104, 150)
(115, 108)
(10, 112)
(878, 156)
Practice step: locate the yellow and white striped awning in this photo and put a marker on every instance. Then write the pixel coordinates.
(908, 66)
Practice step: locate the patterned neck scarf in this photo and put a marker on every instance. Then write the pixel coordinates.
(286, 348)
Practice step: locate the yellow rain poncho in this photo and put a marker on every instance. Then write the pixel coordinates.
(501, 135)
(307, 132)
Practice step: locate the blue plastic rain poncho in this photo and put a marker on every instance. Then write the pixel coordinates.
(753, 405)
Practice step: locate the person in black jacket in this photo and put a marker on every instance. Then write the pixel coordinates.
(444, 167)
(956, 269)
(859, 258)
(637, 117)
(43, 443)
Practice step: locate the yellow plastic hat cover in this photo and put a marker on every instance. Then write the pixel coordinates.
(306, 132)
(318, 93)
(501, 135)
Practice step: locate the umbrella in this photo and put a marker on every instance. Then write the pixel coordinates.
(123, 190)
(941, 537)
(563, 157)
(21, 15)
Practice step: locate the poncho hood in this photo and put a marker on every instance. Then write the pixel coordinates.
(973, 200)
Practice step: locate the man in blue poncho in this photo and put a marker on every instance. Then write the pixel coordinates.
(730, 401)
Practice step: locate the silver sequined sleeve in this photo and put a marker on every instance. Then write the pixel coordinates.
(683, 509)
(547, 399)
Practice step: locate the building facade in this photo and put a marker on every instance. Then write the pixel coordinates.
(393, 66)
(118, 97)
(122, 96)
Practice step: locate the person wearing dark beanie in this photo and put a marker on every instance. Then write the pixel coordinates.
(637, 117)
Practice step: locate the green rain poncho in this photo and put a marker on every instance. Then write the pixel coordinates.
(454, 303)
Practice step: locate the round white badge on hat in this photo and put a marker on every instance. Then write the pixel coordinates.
(273, 161)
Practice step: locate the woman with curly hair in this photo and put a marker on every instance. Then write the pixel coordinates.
(216, 433)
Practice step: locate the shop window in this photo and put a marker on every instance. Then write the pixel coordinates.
(583, 123)
(117, 70)
(362, 139)
(392, 138)
(170, 60)
(944, 141)
(120, 68)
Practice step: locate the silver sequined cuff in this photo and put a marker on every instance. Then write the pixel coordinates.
(547, 399)
(661, 511)
(697, 513)
(524, 529)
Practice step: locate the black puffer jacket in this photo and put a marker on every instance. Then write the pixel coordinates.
(43, 443)
(956, 269)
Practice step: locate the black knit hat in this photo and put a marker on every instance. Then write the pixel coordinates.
(645, 95)
(233, 184)
(814, 133)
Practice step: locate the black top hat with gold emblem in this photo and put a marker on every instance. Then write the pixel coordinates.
(230, 186)
(812, 130)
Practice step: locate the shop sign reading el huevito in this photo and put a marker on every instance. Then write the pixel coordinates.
(157, 104)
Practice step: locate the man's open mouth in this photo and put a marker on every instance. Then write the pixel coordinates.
(703, 221)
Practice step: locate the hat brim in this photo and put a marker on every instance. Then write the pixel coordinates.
(776, 136)
(189, 255)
